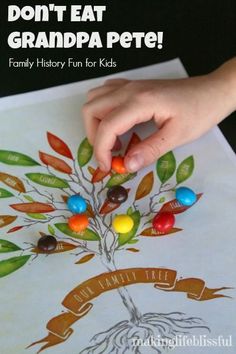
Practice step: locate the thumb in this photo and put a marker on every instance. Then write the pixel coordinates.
(151, 148)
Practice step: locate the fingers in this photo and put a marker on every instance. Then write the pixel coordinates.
(95, 110)
(151, 148)
(116, 82)
(116, 123)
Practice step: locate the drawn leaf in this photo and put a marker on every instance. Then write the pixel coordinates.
(85, 153)
(185, 169)
(47, 180)
(150, 232)
(91, 170)
(55, 162)
(133, 249)
(61, 247)
(87, 234)
(12, 181)
(51, 230)
(16, 159)
(135, 139)
(34, 207)
(7, 246)
(37, 216)
(7, 220)
(85, 259)
(64, 198)
(118, 179)
(29, 198)
(10, 265)
(59, 145)
(14, 229)
(173, 206)
(133, 241)
(124, 238)
(145, 186)
(129, 211)
(166, 166)
(90, 212)
(5, 194)
(108, 206)
(99, 175)
(162, 200)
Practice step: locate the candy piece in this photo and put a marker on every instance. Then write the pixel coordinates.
(117, 164)
(117, 194)
(122, 223)
(163, 222)
(76, 204)
(78, 223)
(47, 243)
(185, 196)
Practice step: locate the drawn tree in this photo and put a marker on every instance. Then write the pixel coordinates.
(37, 205)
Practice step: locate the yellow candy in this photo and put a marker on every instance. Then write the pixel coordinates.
(122, 223)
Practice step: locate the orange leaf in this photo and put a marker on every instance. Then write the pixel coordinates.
(133, 249)
(64, 198)
(151, 232)
(55, 163)
(61, 247)
(108, 206)
(89, 211)
(13, 182)
(59, 146)
(135, 139)
(99, 175)
(6, 220)
(145, 186)
(175, 207)
(91, 170)
(85, 258)
(14, 229)
(34, 207)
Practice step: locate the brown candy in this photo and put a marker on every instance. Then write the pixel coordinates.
(47, 243)
(117, 194)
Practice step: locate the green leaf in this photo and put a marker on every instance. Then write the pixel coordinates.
(29, 198)
(10, 265)
(129, 211)
(162, 200)
(85, 153)
(185, 169)
(86, 235)
(17, 159)
(47, 180)
(166, 166)
(125, 238)
(135, 240)
(7, 246)
(37, 216)
(118, 179)
(51, 230)
(5, 194)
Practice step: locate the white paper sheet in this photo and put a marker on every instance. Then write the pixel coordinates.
(204, 249)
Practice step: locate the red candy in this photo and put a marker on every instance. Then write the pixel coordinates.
(117, 165)
(163, 222)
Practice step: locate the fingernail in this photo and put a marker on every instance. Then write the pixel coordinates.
(134, 162)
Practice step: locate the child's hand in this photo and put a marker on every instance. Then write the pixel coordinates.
(182, 109)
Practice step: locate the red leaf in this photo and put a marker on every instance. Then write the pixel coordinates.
(108, 206)
(99, 175)
(64, 198)
(175, 207)
(61, 247)
(35, 207)
(54, 162)
(150, 232)
(135, 139)
(59, 146)
(14, 229)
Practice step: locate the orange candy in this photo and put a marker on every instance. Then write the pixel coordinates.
(78, 222)
(117, 164)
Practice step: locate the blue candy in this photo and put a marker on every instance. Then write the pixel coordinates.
(185, 196)
(77, 204)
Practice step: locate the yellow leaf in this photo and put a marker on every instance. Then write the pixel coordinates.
(85, 259)
(145, 186)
